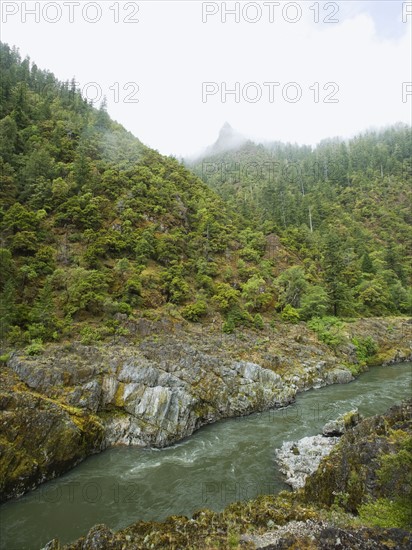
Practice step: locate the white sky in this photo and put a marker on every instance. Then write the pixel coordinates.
(170, 52)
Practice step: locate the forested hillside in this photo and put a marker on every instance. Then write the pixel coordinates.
(343, 208)
(95, 226)
(93, 222)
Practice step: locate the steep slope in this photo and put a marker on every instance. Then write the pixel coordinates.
(104, 239)
(342, 207)
(94, 224)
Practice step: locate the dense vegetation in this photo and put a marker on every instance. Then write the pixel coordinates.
(343, 208)
(95, 226)
(93, 222)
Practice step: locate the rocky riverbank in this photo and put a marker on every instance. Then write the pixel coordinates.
(75, 400)
(299, 459)
(358, 499)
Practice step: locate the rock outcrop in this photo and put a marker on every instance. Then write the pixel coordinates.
(318, 535)
(40, 439)
(76, 400)
(298, 459)
(351, 474)
(83, 401)
(339, 426)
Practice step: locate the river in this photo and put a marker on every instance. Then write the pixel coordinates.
(221, 463)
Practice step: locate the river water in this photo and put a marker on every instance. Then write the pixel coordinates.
(221, 463)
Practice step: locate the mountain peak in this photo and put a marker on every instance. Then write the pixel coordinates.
(228, 139)
(226, 130)
(226, 126)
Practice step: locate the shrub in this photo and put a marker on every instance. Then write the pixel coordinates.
(250, 254)
(365, 348)
(290, 314)
(35, 347)
(384, 512)
(124, 307)
(178, 290)
(89, 335)
(328, 330)
(225, 297)
(237, 317)
(86, 291)
(4, 358)
(193, 312)
(258, 321)
(315, 303)
(228, 326)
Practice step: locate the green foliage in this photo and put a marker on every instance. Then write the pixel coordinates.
(367, 265)
(314, 303)
(395, 472)
(340, 210)
(258, 321)
(291, 285)
(193, 312)
(94, 223)
(236, 317)
(90, 335)
(115, 226)
(225, 297)
(328, 329)
(133, 289)
(35, 348)
(387, 513)
(4, 358)
(290, 314)
(366, 348)
(178, 290)
(395, 482)
(229, 326)
(255, 294)
(86, 291)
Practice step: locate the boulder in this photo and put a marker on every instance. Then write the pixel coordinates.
(339, 376)
(339, 426)
(298, 459)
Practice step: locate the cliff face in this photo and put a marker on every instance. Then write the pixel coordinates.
(77, 400)
(40, 437)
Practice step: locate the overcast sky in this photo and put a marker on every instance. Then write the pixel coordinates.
(300, 71)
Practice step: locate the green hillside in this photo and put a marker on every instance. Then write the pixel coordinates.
(96, 227)
(343, 208)
(93, 223)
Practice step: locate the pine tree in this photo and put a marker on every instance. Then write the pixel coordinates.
(367, 265)
(333, 266)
